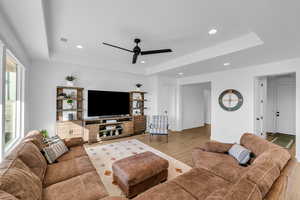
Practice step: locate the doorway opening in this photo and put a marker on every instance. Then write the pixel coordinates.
(196, 106)
(275, 107)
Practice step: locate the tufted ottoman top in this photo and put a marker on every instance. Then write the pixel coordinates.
(135, 169)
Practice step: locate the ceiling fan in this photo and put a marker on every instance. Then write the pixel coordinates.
(137, 50)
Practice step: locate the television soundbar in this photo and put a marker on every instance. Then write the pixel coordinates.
(107, 103)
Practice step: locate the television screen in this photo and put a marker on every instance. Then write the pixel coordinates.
(107, 103)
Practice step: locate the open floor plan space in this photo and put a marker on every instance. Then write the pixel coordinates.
(142, 100)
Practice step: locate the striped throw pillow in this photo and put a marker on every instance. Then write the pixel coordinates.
(240, 153)
(55, 150)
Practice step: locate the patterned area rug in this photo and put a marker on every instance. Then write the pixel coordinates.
(103, 156)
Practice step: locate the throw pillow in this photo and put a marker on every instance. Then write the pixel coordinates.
(55, 150)
(240, 153)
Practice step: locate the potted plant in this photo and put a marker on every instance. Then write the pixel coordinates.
(70, 80)
(138, 86)
(44, 133)
(70, 102)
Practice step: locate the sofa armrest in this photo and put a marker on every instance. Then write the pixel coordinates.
(72, 142)
(217, 147)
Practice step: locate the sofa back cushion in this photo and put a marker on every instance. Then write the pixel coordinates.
(31, 156)
(7, 196)
(263, 175)
(21, 184)
(256, 144)
(278, 156)
(36, 138)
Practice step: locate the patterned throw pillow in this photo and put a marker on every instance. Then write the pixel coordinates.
(55, 150)
(240, 153)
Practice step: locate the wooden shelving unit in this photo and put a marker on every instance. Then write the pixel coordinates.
(69, 117)
(137, 110)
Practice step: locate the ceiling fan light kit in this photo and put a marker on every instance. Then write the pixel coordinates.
(137, 50)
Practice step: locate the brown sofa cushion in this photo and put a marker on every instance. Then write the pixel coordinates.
(200, 182)
(137, 168)
(220, 164)
(72, 142)
(87, 186)
(21, 184)
(74, 152)
(256, 144)
(36, 138)
(64, 170)
(242, 190)
(278, 156)
(6, 196)
(32, 157)
(263, 175)
(15, 163)
(166, 191)
(217, 147)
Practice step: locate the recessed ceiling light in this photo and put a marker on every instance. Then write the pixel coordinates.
(79, 46)
(226, 64)
(180, 73)
(212, 31)
(143, 62)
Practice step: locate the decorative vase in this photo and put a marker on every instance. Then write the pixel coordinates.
(70, 83)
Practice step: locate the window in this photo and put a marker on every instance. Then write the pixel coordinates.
(11, 100)
(10, 107)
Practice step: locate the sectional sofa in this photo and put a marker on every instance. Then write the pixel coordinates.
(218, 176)
(25, 174)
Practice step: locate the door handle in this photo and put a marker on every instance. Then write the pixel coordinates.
(277, 114)
(257, 118)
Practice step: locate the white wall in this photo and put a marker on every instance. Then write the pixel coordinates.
(192, 106)
(229, 126)
(12, 42)
(207, 103)
(45, 77)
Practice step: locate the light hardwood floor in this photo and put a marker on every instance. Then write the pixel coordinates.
(180, 146)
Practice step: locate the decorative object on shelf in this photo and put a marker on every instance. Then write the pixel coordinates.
(138, 86)
(70, 80)
(70, 116)
(231, 100)
(62, 95)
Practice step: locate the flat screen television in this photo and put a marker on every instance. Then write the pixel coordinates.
(107, 103)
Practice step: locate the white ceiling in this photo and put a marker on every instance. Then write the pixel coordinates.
(177, 24)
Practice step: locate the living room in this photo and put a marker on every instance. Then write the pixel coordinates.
(148, 99)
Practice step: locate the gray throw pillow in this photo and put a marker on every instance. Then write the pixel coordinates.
(240, 153)
(55, 150)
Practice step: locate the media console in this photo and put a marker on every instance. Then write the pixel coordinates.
(107, 128)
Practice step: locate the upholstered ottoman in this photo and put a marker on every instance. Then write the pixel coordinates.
(136, 174)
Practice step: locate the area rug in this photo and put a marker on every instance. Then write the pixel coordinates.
(103, 156)
(283, 140)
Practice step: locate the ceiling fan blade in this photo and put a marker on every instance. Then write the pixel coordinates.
(134, 59)
(156, 51)
(117, 47)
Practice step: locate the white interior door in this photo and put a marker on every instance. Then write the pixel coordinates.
(286, 109)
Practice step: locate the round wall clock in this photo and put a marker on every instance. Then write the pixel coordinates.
(231, 100)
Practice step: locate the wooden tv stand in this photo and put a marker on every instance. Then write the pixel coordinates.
(96, 130)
